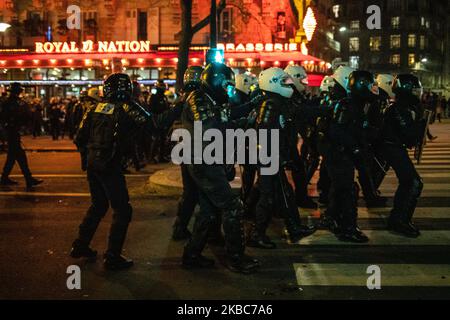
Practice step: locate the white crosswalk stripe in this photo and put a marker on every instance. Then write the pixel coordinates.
(435, 171)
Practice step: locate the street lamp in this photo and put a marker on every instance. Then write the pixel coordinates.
(343, 29)
(4, 26)
(424, 60)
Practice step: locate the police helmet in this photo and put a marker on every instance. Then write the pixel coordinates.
(298, 75)
(385, 82)
(94, 94)
(362, 84)
(192, 76)
(218, 79)
(245, 82)
(407, 85)
(275, 80)
(341, 76)
(118, 87)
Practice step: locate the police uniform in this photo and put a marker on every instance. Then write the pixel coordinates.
(104, 133)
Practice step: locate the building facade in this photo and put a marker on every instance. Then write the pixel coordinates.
(412, 38)
(39, 45)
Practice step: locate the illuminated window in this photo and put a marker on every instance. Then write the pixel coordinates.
(375, 43)
(354, 62)
(395, 41)
(411, 40)
(411, 59)
(422, 43)
(354, 24)
(395, 59)
(354, 44)
(395, 22)
(226, 23)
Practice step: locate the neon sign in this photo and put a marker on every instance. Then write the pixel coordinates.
(309, 24)
(257, 47)
(90, 46)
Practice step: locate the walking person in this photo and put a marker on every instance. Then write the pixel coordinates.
(14, 115)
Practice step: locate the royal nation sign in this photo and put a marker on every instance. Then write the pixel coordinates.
(91, 46)
(257, 47)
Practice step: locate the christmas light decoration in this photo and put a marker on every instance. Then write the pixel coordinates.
(309, 24)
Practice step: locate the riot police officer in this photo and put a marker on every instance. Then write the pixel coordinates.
(14, 114)
(158, 105)
(103, 135)
(274, 189)
(189, 198)
(247, 93)
(403, 128)
(348, 149)
(336, 92)
(380, 166)
(303, 114)
(205, 106)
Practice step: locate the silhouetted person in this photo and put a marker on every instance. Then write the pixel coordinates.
(14, 115)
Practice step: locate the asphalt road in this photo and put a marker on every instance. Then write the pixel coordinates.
(38, 228)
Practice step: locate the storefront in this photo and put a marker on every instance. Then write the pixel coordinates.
(66, 68)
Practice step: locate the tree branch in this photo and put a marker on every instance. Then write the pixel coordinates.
(205, 21)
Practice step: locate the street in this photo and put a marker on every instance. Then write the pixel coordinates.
(37, 230)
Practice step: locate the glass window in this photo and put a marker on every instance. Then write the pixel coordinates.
(375, 43)
(422, 43)
(354, 44)
(354, 24)
(395, 41)
(395, 22)
(411, 59)
(411, 40)
(395, 59)
(354, 62)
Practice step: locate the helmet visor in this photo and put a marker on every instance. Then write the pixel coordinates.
(286, 81)
(229, 87)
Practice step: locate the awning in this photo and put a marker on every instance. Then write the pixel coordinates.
(314, 80)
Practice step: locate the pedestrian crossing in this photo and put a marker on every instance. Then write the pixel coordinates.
(402, 262)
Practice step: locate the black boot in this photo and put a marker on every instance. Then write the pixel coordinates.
(352, 235)
(242, 264)
(5, 181)
(328, 222)
(299, 233)
(82, 250)
(196, 262)
(405, 228)
(260, 241)
(32, 182)
(116, 262)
